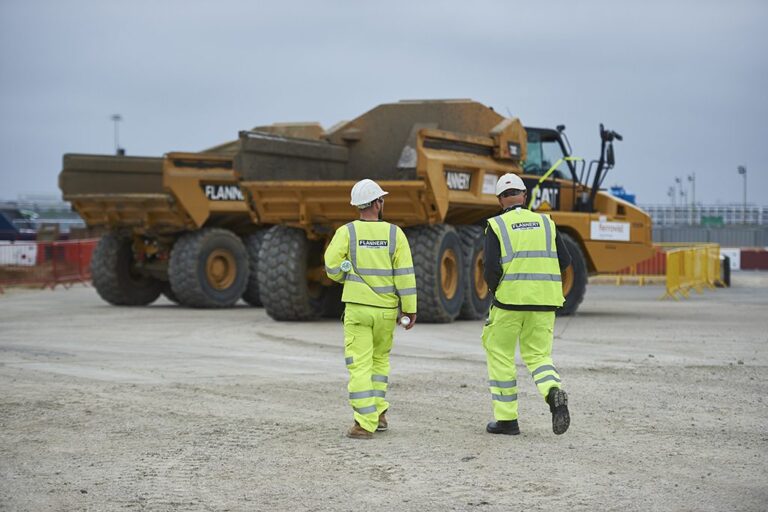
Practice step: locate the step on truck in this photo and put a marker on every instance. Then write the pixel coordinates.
(251, 218)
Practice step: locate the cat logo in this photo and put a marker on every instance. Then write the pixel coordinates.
(223, 193)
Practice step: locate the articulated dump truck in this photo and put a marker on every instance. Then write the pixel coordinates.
(251, 218)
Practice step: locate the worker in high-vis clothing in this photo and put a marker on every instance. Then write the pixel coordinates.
(524, 261)
(372, 259)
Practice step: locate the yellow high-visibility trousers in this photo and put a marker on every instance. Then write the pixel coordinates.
(368, 333)
(535, 330)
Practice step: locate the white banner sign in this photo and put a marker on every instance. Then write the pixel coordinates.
(605, 230)
(23, 254)
(489, 184)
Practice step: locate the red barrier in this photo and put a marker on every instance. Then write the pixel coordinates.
(754, 259)
(46, 264)
(656, 265)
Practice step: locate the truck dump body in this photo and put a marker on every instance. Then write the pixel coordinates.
(105, 174)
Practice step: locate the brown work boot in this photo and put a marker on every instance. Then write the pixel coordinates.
(383, 425)
(358, 432)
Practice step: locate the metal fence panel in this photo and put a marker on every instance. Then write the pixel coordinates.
(726, 236)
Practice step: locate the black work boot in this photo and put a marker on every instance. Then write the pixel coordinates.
(508, 427)
(558, 406)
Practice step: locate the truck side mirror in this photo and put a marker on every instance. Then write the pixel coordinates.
(610, 157)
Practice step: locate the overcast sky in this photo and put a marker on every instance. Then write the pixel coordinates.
(685, 82)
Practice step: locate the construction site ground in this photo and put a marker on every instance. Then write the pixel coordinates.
(165, 408)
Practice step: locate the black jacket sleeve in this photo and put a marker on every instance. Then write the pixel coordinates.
(563, 256)
(492, 264)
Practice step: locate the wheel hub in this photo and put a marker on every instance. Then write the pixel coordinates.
(567, 280)
(481, 288)
(221, 269)
(449, 274)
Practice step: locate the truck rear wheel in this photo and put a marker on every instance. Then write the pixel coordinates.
(253, 245)
(477, 296)
(116, 277)
(438, 262)
(208, 268)
(286, 290)
(574, 277)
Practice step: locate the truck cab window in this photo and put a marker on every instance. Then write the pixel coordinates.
(543, 151)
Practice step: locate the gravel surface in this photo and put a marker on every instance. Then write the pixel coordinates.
(165, 408)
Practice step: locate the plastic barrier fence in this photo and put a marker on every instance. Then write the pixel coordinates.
(46, 264)
(693, 267)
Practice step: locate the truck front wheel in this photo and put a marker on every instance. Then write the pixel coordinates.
(208, 268)
(253, 244)
(477, 296)
(286, 290)
(574, 277)
(115, 276)
(438, 261)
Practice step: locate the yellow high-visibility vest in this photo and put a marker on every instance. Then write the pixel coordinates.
(382, 268)
(531, 273)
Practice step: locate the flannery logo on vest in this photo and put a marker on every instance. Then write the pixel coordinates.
(526, 225)
(373, 244)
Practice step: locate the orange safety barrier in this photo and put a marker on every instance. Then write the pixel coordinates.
(46, 264)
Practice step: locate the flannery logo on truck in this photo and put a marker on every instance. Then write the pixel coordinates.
(223, 192)
(458, 180)
(373, 244)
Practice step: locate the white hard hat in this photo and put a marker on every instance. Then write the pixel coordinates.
(365, 192)
(509, 181)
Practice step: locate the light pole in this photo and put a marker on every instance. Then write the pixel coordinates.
(671, 194)
(117, 118)
(692, 179)
(743, 171)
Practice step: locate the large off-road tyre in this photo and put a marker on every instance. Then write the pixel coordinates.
(477, 296)
(286, 291)
(439, 264)
(115, 276)
(208, 268)
(574, 277)
(253, 245)
(332, 306)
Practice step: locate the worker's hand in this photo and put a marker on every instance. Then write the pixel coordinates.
(412, 318)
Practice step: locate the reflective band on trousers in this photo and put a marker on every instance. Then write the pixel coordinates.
(504, 398)
(365, 410)
(547, 378)
(502, 383)
(533, 277)
(367, 394)
(379, 378)
(543, 368)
